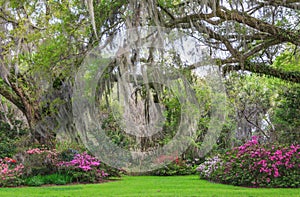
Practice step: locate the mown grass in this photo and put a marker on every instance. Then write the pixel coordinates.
(149, 186)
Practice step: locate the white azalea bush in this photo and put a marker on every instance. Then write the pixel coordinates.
(209, 166)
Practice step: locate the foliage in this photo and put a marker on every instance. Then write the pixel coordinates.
(56, 178)
(10, 172)
(35, 181)
(262, 105)
(206, 98)
(67, 155)
(256, 165)
(172, 115)
(10, 136)
(176, 167)
(286, 116)
(115, 133)
(252, 99)
(65, 147)
(288, 60)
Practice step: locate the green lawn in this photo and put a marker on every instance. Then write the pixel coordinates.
(148, 186)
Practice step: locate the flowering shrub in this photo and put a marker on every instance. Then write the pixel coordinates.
(256, 165)
(10, 172)
(42, 166)
(81, 161)
(83, 168)
(40, 161)
(209, 166)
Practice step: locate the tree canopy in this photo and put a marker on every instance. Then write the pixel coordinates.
(243, 35)
(44, 42)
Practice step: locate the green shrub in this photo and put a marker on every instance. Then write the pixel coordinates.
(10, 136)
(176, 167)
(57, 179)
(67, 155)
(286, 118)
(37, 180)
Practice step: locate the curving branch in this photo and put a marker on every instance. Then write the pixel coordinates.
(6, 92)
(265, 69)
(243, 18)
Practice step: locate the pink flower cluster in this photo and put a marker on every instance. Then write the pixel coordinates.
(35, 151)
(242, 149)
(9, 170)
(273, 160)
(39, 151)
(42, 155)
(81, 161)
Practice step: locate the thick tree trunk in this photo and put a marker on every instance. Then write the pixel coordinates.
(44, 123)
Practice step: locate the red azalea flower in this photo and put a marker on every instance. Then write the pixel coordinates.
(177, 160)
(10, 160)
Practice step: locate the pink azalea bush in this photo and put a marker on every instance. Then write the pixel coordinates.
(10, 172)
(256, 165)
(40, 161)
(84, 168)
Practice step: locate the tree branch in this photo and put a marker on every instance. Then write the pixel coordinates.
(7, 93)
(243, 18)
(260, 47)
(261, 68)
